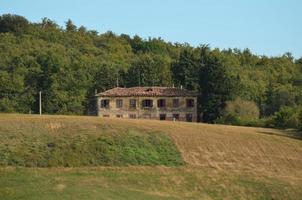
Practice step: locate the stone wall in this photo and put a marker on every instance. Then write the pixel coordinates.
(148, 113)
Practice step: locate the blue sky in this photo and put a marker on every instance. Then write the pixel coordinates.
(267, 27)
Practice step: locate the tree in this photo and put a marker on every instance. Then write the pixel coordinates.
(149, 70)
(48, 24)
(82, 29)
(105, 78)
(13, 23)
(185, 71)
(137, 44)
(70, 27)
(278, 96)
(217, 85)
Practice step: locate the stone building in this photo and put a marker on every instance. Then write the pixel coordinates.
(163, 103)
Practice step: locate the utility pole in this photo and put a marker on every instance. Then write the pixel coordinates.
(40, 103)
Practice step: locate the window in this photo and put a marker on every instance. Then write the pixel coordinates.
(119, 103)
(175, 103)
(119, 116)
(190, 103)
(105, 115)
(132, 116)
(189, 117)
(162, 117)
(161, 103)
(175, 117)
(147, 103)
(105, 103)
(132, 103)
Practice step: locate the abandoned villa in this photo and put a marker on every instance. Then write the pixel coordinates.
(163, 103)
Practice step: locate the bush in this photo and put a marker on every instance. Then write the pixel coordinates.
(6, 105)
(233, 119)
(240, 112)
(241, 108)
(286, 117)
(230, 118)
(300, 120)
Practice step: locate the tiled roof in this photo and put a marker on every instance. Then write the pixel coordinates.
(147, 92)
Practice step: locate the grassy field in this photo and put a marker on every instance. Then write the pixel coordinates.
(73, 144)
(187, 160)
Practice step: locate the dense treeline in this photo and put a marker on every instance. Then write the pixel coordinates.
(68, 64)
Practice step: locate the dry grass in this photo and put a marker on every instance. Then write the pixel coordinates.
(223, 162)
(231, 147)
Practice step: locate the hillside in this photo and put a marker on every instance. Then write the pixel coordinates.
(189, 161)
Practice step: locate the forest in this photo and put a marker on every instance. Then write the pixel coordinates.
(69, 64)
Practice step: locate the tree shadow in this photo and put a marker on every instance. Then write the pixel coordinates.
(290, 133)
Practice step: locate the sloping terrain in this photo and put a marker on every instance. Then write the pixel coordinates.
(232, 147)
(62, 143)
(221, 162)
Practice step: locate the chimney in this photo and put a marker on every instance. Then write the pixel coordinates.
(173, 85)
(181, 87)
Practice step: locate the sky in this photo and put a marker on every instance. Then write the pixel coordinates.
(267, 27)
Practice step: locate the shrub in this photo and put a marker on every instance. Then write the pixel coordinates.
(286, 117)
(6, 105)
(241, 108)
(240, 112)
(300, 120)
(230, 118)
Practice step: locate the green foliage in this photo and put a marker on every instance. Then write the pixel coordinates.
(243, 109)
(70, 26)
(218, 86)
(149, 70)
(287, 117)
(186, 71)
(300, 120)
(233, 119)
(240, 112)
(13, 23)
(229, 118)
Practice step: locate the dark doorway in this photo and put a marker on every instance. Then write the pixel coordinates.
(189, 117)
(162, 117)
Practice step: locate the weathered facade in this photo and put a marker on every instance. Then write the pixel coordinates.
(162, 103)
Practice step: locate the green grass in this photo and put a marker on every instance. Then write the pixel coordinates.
(40, 147)
(139, 183)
